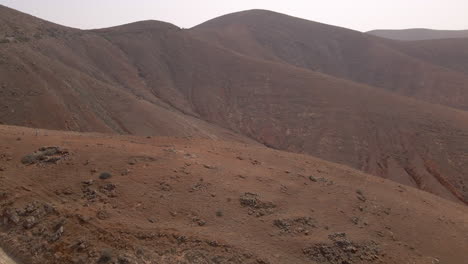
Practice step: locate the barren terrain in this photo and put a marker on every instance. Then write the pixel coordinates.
(4, 258)
(152, 78)
(81, 198)
(252, 138)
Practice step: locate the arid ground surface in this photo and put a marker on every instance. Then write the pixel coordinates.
(391, 109)
(102, 198)
(5, 259)
(255, 137)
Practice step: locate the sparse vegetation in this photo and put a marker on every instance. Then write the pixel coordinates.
(105, 175)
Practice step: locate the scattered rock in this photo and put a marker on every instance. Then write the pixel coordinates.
(321, 180)
(165, 187)
(109, 190)
(201, 185)
(89, 194)
(295, 225)
(45, 155)
(199, 221)
(57, 234)
(67, 191)
(361, 196)
(11, 216)
(88, 182)
(256, 206)
(343, 250)
(355, 220)
(102, 215)
(80, 245)
(29, 222)
(209, 167)
(83, 218)
(255, 162)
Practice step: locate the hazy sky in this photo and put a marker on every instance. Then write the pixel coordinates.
(361, 15)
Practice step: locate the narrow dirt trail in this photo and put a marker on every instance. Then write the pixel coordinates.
(4, 259)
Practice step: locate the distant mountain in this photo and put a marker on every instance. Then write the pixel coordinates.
(335, 51)
(448, 53)
(418, 34)
(254, 76)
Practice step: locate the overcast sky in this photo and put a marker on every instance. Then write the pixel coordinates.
(361, 15)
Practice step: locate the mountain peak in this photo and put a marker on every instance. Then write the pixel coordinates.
(145, 25)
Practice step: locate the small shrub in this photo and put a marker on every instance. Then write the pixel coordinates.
(106, 256)
(105, 175)
(29, 159)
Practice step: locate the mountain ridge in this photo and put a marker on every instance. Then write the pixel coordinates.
(415, 34)
(164, 81)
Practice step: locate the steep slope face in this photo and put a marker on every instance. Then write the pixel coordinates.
(448, 53)
(77, 81)
(335, 51)
(418, 34)
(298, 110)
(199, 201)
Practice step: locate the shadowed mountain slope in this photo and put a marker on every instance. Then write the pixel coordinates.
(418, 34)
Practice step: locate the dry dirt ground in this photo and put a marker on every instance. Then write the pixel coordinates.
(4, 259)
(67, 197)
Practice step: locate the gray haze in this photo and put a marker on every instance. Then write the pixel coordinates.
(361, 15)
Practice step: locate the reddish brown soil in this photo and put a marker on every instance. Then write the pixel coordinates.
(152, 78)
(174, 200)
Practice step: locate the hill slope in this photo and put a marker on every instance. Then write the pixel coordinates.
(418, 34)
(199, 201)
(152, 78)
(317, 114)
(77, 80)
(335, 51)
(448, 53)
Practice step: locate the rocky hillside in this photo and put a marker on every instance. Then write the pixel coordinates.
(98, 198)
(152, 78)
